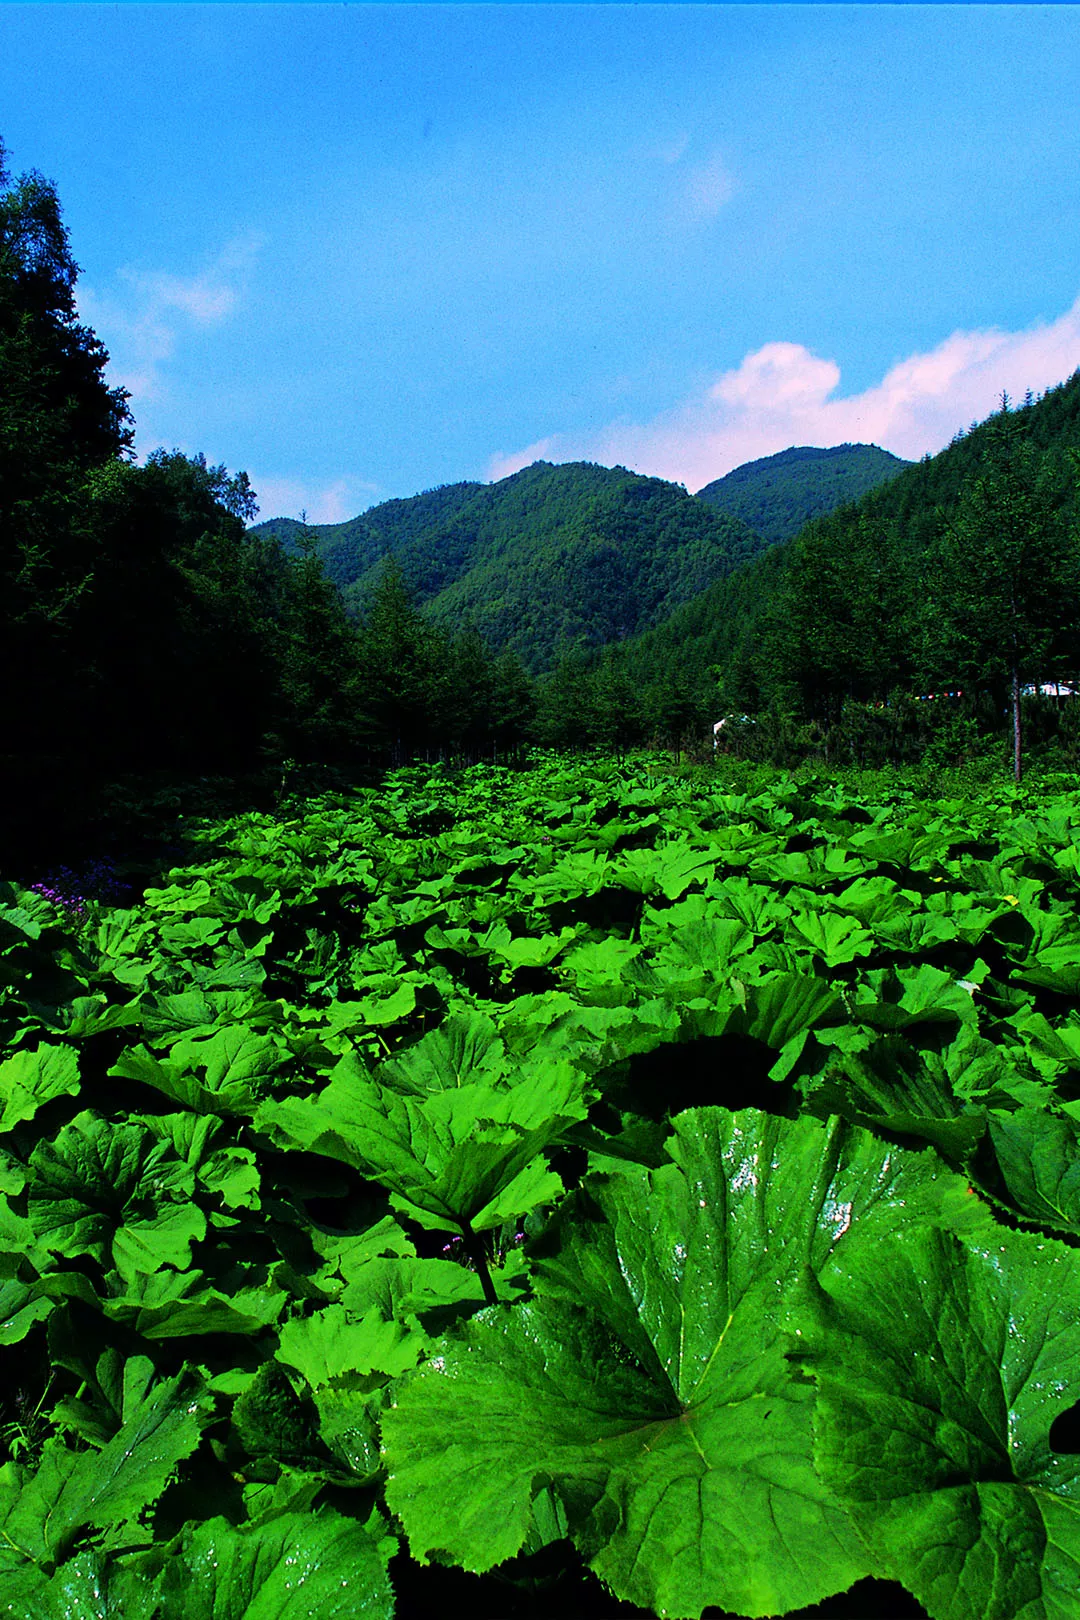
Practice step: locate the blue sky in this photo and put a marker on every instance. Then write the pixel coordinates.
(363, 250)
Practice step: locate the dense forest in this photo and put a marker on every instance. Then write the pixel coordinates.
(145, 628)
(150, 627)
(579, 554)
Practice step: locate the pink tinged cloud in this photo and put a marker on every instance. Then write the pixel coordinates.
(783, 395)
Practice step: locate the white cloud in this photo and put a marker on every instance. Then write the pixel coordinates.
(144, 319)
(707, 187)
(323, 503)
(783, 395)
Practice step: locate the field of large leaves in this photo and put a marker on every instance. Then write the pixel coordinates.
(574, 1167)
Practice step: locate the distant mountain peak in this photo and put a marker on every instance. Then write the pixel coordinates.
(775, 495)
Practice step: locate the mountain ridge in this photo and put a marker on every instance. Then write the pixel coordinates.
(555, 554)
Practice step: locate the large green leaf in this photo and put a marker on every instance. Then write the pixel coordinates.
(294, 1567)
(188, 1013)
(649, 1381)
(465, 1047)
(29, 1080)
(941, 1366)
(102, 1189)
(89, 1587)
(833, 938)
(72, 1492)
(333, 1343)
(786, 1005)
(404, 1286)
(174, 1304)
(223, 1073)
(452, 1154)
(1038, 1156)
(919, 995)
(669, 870)
(891, 1086)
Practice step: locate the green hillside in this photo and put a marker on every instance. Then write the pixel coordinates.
(854, 605)
(776, 495)
(552, 554)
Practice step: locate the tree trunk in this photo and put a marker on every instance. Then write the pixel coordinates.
(1016, 723)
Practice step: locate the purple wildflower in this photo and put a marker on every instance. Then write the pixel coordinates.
(72, 890)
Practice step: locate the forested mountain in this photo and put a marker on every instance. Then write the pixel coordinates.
(577, 552)
(550, 555)
(776, 495)
(419, 531)
(961, 573)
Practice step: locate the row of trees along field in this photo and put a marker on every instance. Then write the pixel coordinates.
(143, 628)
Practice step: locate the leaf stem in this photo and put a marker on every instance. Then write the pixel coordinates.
(475, 1246)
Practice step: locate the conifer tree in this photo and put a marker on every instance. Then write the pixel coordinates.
(470, 694)
(1006, 600)
(619, 720)
(59, 420)
(513, 703)
(320, 663)
(842, 630)
(404, 672)
(564, 711)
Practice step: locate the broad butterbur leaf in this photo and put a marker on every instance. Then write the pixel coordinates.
(90, 1587)
(1037, 1153)
(452, 1154)
(291, 1568)
(101, 1188)
(649, 1383)
(29, 1080)
(333, 1343)
(941, 1369)
(173, 1305)
(271, 1420)
(833, 938)
(223, 1073)
(72, 1492)
(918, 995)
(464, 1048)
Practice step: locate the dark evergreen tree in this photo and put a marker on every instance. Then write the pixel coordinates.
(320, 666)
(618, 711)
(405, 673)
(59, 421)
(841, 630)
(564, 716)
(513, 704)
(676, 713)
(174, 637)
(1006, 598)
(470, 695)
